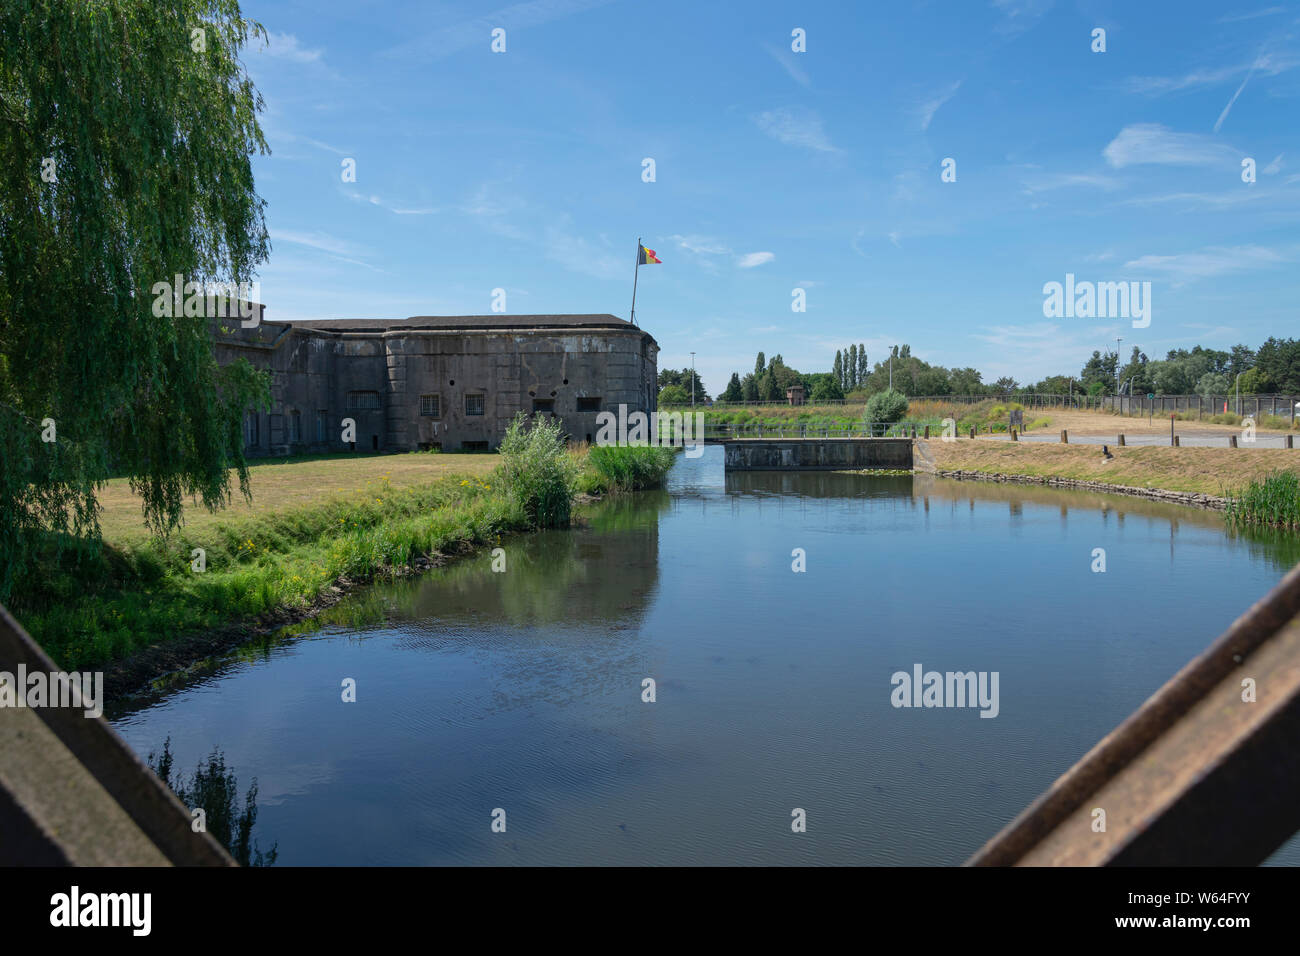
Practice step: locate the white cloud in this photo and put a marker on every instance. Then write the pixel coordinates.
(285, 46)
(793, 128)
(1158, 85)
(1066, 180)
(1020, 15)
(385, 204)
(1152, 143)
(925, 112)
(1206, 263)
(1266, 12)
(752, 259)
(477, 32)
(786, 59)
(317, 240)
(1274, 167)
(332, 246)
(701, 245)
(581, 255)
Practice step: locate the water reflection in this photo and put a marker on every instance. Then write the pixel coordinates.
(523, 689)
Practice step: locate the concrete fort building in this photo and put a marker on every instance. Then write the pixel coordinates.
(451, 383)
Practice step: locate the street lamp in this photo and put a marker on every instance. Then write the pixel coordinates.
(1119, 401)
(692, 380)
(891, 367)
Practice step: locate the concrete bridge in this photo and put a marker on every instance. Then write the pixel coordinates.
(817, 454)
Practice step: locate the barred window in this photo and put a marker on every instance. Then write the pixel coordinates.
(474, 404)
(295, 426)
(431, 405)
(322, 417)
(363, 401)
(252, 429)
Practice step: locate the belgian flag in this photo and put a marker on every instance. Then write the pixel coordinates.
(647, 256)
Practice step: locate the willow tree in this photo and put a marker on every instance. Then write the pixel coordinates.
(126, 132)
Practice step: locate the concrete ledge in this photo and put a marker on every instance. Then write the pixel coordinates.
(817, 454)
(72, 791)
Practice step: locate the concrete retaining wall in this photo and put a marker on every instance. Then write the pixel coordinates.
(817, 454)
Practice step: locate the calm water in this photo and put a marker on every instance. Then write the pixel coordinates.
(522, 690)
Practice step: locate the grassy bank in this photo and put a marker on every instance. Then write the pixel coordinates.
(983, 415)
(1212, 471)
(1273, 502)
(314, 526)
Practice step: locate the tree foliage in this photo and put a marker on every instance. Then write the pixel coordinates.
(126, 139)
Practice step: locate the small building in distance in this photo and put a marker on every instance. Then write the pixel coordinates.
(794, 394)
(451, 383)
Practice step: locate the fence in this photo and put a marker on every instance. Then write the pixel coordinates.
(1283, 406)
(727, 432)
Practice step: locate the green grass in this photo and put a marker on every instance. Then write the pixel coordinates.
(626, 468)
(87, 608)
(328, 522)
(1273, 502)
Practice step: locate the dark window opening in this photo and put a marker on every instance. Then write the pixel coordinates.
(431, 406)
(543, 406)
(374, 443)
(474, 446)
(589, 404)
(474, 404)
(360, 401)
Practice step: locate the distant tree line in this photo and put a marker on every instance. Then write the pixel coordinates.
(1272, 368)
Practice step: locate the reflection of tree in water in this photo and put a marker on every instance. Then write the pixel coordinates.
(817, 484)
(603, 570)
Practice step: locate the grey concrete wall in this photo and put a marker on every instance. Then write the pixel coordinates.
(817, 454)
(314, 370)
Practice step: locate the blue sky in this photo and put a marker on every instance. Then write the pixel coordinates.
(777, 170)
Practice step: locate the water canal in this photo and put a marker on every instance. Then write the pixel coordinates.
(522, 690)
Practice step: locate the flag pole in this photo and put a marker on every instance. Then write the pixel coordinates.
(635, 273)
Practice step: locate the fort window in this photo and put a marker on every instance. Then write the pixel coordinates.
(474, 446)
(252, 430)
(474, 404)
(322, 417)
(543, 406)
(362, 401)
(431, 406)
(589, 404)
(295, 426)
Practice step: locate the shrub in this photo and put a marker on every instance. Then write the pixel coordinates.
(1273, 502)
(538, 471)
(630, 468)
(885, 407)
(673, 395)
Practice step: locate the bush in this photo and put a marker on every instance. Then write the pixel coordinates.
(885, 407)
(1273, 502)
(631, 468)
(673, 395)
(538, 471)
